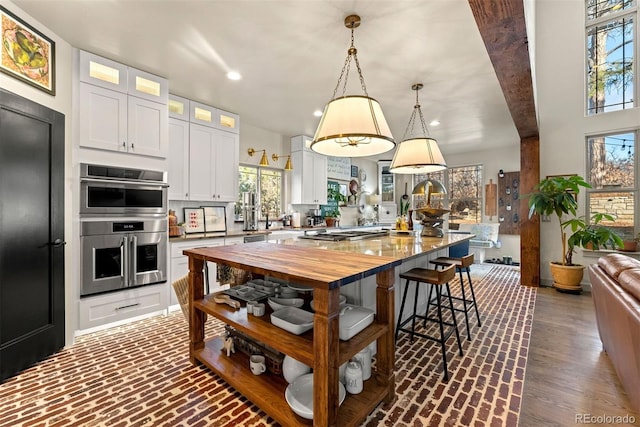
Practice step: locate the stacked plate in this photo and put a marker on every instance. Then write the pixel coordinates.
(299, 395)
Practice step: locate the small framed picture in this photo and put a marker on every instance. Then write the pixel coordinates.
(354, 171)
(215, 219)
(194, 220)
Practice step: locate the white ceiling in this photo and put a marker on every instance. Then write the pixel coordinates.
(290, 53)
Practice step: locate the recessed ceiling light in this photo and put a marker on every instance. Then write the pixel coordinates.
(434, 123)
(317, 113)
(234, 75)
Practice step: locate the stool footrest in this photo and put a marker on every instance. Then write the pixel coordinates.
(430, 337)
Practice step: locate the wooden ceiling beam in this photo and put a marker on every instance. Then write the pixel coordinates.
(502, 26)
(503, 30)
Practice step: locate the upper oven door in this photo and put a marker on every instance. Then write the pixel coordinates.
(114, 197)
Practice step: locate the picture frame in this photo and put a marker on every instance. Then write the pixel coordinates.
(26, 54)
(215, 219)
(194, 220)
(354, 171)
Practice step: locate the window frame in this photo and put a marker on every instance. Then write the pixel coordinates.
(635, 190)
(259, 170)
(447, 183)
(631, 12)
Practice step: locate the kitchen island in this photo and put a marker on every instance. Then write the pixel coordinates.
(326, 267)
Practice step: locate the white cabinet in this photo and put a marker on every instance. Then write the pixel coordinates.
(180, 264)
(178, 160)
(213, 164)
(121, 108)
(207, 115)
(121, 306)
(309, 178)
(203, 158)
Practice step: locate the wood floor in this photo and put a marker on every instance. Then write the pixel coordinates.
(568, 373)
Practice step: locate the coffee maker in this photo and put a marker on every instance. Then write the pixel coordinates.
(250, 211)
(316, 217)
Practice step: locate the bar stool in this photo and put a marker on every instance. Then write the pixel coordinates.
(461, 263)
(437, 279)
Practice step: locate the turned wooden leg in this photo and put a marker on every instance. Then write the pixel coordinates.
(326, 336)
(196, 317)
(385, 313)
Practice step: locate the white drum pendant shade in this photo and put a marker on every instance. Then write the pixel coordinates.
(353, 126)
(418, 156)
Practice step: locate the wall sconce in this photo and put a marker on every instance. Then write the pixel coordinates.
(263, 160)
(288, 166)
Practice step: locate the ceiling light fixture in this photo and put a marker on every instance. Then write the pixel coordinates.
(288, 166)
(317, 113)
(234, 75)
(354, 125)
(263, 160)
(417, 154)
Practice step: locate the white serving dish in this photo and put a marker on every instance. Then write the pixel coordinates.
(300, 288)
(293, 319)
(299, 395)
(286, 292)
(280, 303)
(342, 299)
(354, 319)
(292, 369)
(265, 286)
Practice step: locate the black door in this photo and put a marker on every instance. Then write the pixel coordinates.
(31, 233)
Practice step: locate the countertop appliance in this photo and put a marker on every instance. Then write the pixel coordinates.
(110, 190)
(250, 210)
(337, 236)
(122, 253)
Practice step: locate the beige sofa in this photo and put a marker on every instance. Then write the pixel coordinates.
(615, 286)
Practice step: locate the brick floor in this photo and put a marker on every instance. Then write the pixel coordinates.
(139, 375)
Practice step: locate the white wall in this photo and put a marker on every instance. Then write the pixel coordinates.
(60, 102)
(560, 64)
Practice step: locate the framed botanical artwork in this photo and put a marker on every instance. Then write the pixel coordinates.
(26, 53)
(354, 171)
(193, 220)
(215, 219)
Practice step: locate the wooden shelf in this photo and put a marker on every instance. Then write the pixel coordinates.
(236, 372)
(299, 347)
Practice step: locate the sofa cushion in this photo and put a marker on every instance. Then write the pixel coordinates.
(614, 264)
(629, 280)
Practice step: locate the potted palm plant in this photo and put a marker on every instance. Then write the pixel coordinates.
(558, 196)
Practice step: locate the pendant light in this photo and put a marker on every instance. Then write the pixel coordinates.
(417, 155)
(354, 125)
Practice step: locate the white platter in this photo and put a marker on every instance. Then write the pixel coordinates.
(300, 288)
(280, 303)
(299, 395)
(293, 319)
(342, 299)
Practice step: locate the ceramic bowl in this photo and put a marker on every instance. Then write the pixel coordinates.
(292, 369)
(280, 303)
(299, 395)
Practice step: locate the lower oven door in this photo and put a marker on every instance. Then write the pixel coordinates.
(104, 263)
(148, 258)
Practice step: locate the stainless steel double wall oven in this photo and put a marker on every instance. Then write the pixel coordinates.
(123, 228)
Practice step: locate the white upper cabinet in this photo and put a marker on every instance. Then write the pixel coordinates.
(226, 121)
(213, 164)
(179, 107)
(309, 178)
(301, 142)
(103, 72)
(178, 159)
(207, 115)
(121, 108)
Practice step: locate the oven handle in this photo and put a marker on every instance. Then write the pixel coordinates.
(117, 181)
(134, 259)
(124, 256)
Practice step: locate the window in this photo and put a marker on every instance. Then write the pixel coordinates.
(464, 192)
(610, 46)
(267, 184)
(611, 162)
